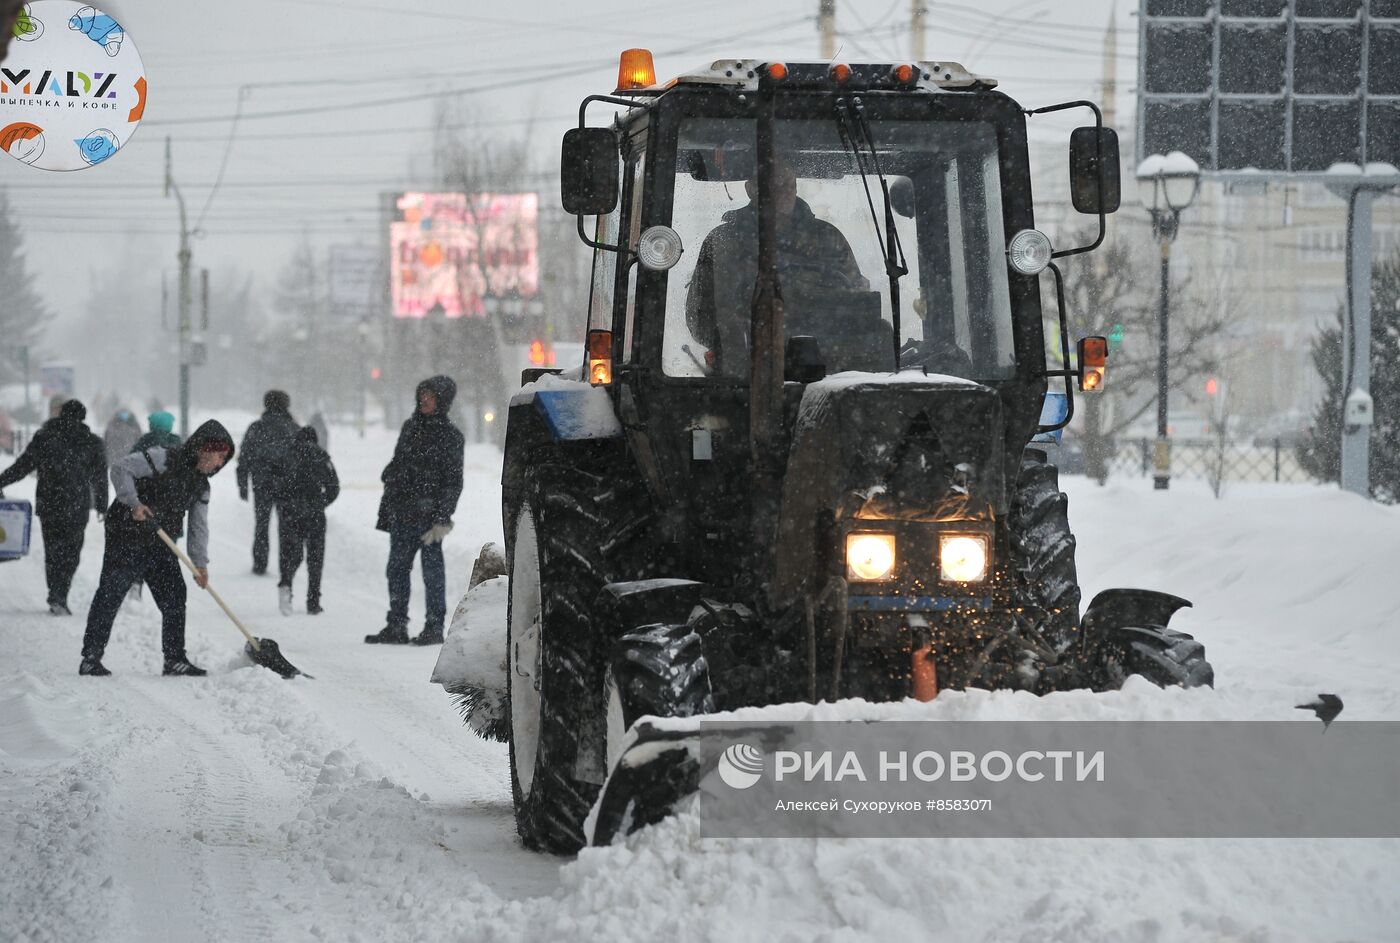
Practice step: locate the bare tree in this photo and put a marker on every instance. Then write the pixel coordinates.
(478, 164)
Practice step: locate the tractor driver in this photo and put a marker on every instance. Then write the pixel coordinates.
(812, 255)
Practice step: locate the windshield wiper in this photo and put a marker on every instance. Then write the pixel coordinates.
(896, 266)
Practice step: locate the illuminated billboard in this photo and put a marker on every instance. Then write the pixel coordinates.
(448, 250)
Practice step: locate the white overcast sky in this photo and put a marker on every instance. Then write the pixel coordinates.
(320, 170)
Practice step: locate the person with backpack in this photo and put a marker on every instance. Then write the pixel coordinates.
(308, 487)
(261, 459)
(72, 467)
(162, 426)
(156, 488)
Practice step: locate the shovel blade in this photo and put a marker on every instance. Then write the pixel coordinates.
(267, 654)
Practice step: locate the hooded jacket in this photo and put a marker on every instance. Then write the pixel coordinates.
(168, 482)
(266, 445)
(162, 424)
(120, 435)
(72, 465)
(423, 480)
(310, 484)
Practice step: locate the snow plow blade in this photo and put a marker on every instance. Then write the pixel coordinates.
(661, 766)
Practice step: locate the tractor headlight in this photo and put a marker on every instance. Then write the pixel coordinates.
(962, 558)
(869, 557)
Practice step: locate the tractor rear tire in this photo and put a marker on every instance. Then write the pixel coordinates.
(1042, 550)
(554, 678)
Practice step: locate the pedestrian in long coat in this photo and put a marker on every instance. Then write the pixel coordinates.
(421, 486)
(72, 469)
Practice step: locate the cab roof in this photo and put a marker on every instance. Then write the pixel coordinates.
(744, 75)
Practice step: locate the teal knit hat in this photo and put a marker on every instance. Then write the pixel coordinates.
(161, 421)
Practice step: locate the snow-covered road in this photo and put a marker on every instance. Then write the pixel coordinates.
(356, 807)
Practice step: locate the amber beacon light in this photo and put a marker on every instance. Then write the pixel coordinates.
(635, 70)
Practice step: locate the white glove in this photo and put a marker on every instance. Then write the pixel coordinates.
(435, 534)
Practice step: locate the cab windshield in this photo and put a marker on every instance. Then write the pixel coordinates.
(943, 175)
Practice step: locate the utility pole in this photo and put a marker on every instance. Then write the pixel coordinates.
(184, 257)
(826, 25)
(916, 29)
(1110, 71)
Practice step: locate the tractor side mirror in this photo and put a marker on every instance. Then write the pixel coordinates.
(589, 171)
(1093, 362)
(1093, 170)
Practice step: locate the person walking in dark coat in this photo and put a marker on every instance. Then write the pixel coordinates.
(308, 487)
(121, 434)
(421, 486)
(72, 471)
(261, 458)
(155, 488)
(162, 433)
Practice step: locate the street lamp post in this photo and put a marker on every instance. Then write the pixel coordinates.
(1174, 179)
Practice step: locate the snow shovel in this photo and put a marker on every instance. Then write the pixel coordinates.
(262, 651)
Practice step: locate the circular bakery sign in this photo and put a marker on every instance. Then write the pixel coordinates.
(72, 88)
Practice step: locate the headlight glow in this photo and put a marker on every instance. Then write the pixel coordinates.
(869, 557)
(962, 558)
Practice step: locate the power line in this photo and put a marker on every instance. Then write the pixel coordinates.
(513, 82)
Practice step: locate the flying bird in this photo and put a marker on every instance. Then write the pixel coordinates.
(1327, 707)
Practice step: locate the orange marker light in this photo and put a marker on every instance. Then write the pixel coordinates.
(777, 71)
(600, 365)
(635, 70)
(537, 355)
(1093, 362)
(904, 73)
(841, 72)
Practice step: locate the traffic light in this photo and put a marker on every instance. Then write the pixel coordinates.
(1115, 337)
(537, 353)
(1212, 387)
(374, 373)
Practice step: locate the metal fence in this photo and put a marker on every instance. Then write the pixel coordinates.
(1214, 459)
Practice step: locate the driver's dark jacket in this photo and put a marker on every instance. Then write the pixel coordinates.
(811, 252)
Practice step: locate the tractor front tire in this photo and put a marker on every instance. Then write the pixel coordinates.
(554, 677)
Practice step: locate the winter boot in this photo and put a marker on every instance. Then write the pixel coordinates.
(92, 667)
(389, 635)
(284, 600)
(182, 666)
(59, 609)
(313, 606)
(431, 635)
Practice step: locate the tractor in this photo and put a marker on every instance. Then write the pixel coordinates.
(799, 461)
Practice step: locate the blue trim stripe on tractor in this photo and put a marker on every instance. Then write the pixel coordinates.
(572, 415)
(915, 603)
